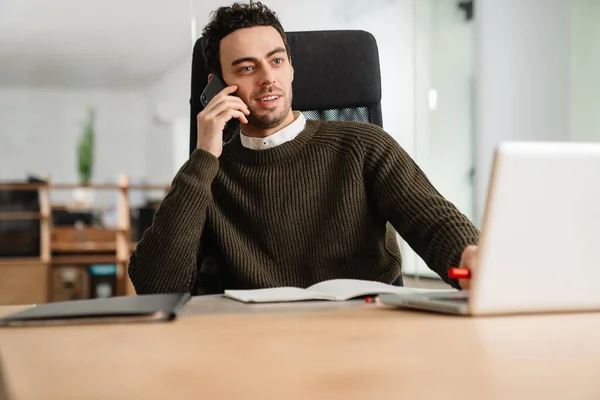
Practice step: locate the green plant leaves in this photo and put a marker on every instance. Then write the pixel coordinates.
(85, 149)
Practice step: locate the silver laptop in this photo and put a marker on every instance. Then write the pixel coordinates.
(539, 249)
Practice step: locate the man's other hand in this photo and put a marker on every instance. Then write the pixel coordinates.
(468, 260)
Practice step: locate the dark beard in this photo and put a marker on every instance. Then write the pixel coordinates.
(270, 121)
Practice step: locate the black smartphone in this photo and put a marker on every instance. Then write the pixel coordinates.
(214, 87)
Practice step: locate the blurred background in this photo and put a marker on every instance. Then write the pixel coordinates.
(94, 112)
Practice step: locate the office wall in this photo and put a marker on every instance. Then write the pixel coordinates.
(40, 127)
(522, 68)
(167, 140)
(585, 70)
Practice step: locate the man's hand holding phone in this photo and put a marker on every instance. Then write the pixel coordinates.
(211, 121)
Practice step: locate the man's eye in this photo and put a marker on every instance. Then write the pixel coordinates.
(247, 68)
(278, 60)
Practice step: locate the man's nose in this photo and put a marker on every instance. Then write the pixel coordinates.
(267, 78)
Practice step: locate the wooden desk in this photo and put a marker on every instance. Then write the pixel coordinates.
(334, 351)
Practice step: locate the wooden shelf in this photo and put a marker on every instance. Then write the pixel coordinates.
(87, 247)
(80, 247)
(85, 259)
(64, 207)
(150, 187)
(97, 186)
(17, 215)
(22, 186)
(19, 260)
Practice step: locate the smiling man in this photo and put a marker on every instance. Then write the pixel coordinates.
(269, 105)
(290, 201)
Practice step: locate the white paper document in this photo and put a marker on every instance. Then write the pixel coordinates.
(335, 290)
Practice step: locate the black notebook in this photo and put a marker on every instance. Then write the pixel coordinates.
(143, 308)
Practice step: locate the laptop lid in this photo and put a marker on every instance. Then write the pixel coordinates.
(541, 230)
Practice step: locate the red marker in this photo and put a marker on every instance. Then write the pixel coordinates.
(459, 273)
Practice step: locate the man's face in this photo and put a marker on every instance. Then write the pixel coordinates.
(255, 60)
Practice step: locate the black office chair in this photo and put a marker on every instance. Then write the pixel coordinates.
(336, 77)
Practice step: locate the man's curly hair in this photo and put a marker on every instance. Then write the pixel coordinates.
(225, 20)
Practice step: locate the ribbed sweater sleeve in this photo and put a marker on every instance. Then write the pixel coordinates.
(165, 260)
(432, 226)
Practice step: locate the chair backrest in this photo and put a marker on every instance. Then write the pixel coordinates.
(336, 77)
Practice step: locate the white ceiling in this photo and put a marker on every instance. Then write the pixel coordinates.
(93, 43)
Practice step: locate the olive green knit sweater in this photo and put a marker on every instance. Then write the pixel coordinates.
(311, 209)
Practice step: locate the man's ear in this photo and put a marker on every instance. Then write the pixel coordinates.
(292, 74)
(210, 76)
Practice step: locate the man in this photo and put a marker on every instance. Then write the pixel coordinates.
(288, 202)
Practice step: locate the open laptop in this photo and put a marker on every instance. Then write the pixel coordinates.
(540, 239)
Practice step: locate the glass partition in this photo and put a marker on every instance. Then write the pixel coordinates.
(585, 70)
(443, 104)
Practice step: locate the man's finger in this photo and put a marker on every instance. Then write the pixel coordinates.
(468, 257)
(464, 283)
(224, 104)
(228, 90)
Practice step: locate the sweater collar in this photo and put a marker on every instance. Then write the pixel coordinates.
(278, 138)
(236, 151)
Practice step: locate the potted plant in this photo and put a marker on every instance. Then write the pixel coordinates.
(85, 160)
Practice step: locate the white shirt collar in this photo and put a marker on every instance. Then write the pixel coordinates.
(280, 137)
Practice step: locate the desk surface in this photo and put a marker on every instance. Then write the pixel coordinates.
(220, 349)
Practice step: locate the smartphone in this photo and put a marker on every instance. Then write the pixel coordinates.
(214, 87)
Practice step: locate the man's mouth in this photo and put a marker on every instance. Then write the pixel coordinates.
(268, 99)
